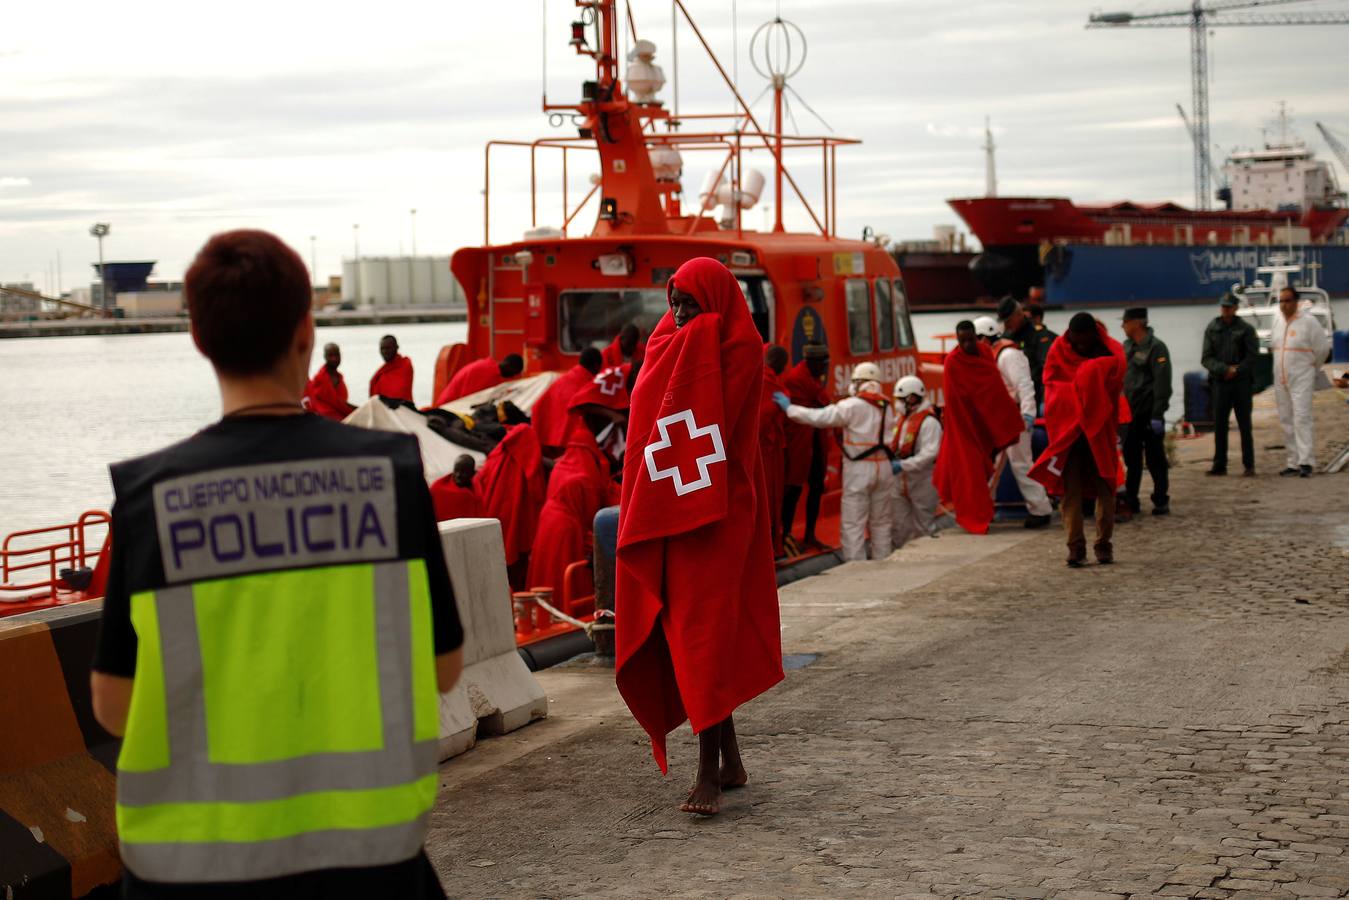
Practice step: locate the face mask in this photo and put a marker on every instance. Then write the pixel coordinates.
(852, 389)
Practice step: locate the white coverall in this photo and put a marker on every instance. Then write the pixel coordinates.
(1299, 349)
(867, 483)
(915, 497)
(1015, 371)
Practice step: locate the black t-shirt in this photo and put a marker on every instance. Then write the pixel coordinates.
(271, 454)
(242, 443)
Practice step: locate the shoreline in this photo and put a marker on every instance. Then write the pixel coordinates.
(167, 325)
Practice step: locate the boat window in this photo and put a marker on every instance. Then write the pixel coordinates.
(759, 298)
(593, 318)
(902, 324)
(885, 316)
(858, 295)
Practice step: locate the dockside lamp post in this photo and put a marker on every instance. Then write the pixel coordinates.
(100, 230)
(414, 232)
(356, 248)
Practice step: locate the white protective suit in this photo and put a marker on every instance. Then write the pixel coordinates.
(1299, 349)
(915, 497)
(1015, 371)
(867, 483)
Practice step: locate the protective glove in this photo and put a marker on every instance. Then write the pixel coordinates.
(1030, 422)
(896, 466)
(782, 400)
(1158, 426)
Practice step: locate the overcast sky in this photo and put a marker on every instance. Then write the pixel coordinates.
(173, 121)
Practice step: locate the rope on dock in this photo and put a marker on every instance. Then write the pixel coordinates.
(589, 627)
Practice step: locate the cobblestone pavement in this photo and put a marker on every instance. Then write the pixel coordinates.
(982, 721)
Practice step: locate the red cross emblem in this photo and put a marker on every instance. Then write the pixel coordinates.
(683, 451)
(611, 381)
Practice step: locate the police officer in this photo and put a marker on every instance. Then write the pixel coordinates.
(1231, 349)
(1018, 327)
(1147, 386)
(277, 623)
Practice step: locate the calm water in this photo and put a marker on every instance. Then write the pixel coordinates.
(70, 405)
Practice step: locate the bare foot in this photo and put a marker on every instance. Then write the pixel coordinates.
(704, 800)
(733, 776)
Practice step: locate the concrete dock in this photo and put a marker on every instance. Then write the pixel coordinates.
(174, 324)
(971, 718)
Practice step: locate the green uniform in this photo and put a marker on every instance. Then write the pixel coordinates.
(1147, 386)
(1231, 345)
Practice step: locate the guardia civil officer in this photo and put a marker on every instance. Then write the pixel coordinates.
(1147, 386)
(1231, 349)
(277, 624)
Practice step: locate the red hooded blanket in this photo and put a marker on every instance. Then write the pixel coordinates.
(980, 419)
(512, 488)
(613, 354)
(695, 591)
(773, 449)
(580, 486)
(804, 389)
(393, 379)
(549, 415)
(327, 399)
(1082, 397)
(454, 502)
(478, 375)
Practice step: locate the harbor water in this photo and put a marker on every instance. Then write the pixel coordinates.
(71, 405)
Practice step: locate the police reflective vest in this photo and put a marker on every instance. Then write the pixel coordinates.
(906, 436)
(284, 714)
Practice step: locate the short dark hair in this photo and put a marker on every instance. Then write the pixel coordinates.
(247, 292)
(1082, 323)
(775, 357)
(1287, 287)
(513, 364)
(592, 360)
(964, 325)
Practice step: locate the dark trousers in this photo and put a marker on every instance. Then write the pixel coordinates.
(1232, 397)
(1082, 482)
(1140, 444)
(814, 486)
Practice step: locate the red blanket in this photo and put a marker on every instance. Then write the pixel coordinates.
(804, 389)
(980, 419)
(613, 355)
(393, 379)
(478, 375)
(695, 591)
(549, 416)
(1082, 397)
(773, 449)
(454, 502)
(512, 487)
(327, 399)
(580, 486)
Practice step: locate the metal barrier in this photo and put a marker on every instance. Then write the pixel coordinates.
(42, 549)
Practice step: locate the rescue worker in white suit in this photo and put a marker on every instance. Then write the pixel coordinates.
(915, 444)
(1015, 370)
(1299, 345)
(867, 420)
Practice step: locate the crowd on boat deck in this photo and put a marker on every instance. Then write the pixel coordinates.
(905, 465)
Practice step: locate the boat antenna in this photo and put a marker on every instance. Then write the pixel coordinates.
(990, 171)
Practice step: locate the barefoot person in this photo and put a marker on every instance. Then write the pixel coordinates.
(695, 592)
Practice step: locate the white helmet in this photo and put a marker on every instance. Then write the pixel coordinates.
(908, 386)
(867, 371)
(986, 326)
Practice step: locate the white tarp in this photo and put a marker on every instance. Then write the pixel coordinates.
(523, 392)
(438, 454)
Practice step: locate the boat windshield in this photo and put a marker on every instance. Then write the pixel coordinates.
(593, 318)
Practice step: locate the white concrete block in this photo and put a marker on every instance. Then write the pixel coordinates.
(497, 693)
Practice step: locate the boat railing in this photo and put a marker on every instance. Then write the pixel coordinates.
(32, 560)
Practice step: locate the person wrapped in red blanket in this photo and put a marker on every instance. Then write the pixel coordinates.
(581, 484)
(773, 438)
(980, 419)
(392, 380)
(454, 495)
(549, 415)
(627, 349)
(326, 392)
(480, 375)
(807, 448)
(695, 589)
(512, 487)
(1084, 380)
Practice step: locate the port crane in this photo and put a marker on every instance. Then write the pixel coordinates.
(1199, 18)
(1336, 145)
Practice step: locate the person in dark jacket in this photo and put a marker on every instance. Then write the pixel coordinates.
(1230, 351)
(1147, 386)
(1017, 326)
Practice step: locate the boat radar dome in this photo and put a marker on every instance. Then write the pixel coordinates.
(644, 77)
